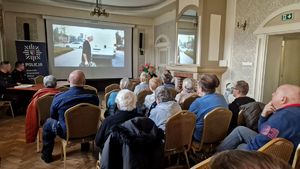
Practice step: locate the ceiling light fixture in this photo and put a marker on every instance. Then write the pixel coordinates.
(98, 10)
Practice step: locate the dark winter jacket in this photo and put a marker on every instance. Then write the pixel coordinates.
(252, 113)
(136, 144)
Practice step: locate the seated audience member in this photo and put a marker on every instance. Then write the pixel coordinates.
(126, 103)
(143, 83)
(280, 118)
(167, 78)
(19, 73)
(238, 159)
(55, 125)
(208, 101)
(165, 108)
(240, 91)
(151, 71)
(5, 77)
(32, 124)
(153, 84)
(137, 143)
(188, 90)
(111, 104)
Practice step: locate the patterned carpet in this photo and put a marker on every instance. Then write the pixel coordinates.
(16, 154)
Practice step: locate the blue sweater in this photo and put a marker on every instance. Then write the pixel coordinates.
(63, 101)
(202, 106)
(283, 123)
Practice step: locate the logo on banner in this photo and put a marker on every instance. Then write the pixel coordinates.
(32, 52)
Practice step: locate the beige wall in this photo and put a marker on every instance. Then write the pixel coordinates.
(245, 42)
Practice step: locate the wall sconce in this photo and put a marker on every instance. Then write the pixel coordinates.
(242, 25)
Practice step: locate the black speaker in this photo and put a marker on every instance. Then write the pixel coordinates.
(141, 43)
(26, 31)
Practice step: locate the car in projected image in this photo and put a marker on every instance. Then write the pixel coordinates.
(74, 45)
(103, 52)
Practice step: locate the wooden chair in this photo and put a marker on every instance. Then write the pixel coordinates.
(203, 164)
(111, 87)
(63, 88)
(178, 133)
(216, 124)
(98, 164)
(296, 161)
(241, 118)
(278, 147)
(188, 101)
(88, 87)
(6, 103)
(43, 109)
(141, 96)
(82, 125)
(39, 79)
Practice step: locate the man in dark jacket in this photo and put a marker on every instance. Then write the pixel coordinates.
(55, 125)
(5, 77)
(19, 73)
(136, 144)
(239, 91)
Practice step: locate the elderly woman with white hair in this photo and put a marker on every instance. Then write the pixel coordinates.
(125, 83)
(188, 89)
(143, 85)
(165, 108)
(31, 124)
(126, 103)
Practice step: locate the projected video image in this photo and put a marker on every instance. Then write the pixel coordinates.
(76, 46)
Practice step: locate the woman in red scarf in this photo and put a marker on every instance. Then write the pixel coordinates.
(32, 124)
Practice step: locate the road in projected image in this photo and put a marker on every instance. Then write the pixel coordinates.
(88, 47)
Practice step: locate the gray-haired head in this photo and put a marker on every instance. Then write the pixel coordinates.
(163, 94)
(49, 81)
(188, 85)
(126, 100)
(125, 83)
(166, 77)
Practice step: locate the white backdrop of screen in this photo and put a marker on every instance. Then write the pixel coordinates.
(101, 51)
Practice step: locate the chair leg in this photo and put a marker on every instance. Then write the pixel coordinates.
(38, 141)
(187, 159)
(64, 151)
(12, 111)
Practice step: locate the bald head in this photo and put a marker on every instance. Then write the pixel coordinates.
(77, 78)
(286, 94)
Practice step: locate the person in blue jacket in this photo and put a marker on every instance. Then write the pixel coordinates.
(55, 125)
(280, 118)
(208, 101)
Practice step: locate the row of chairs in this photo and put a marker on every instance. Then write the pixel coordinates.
(278, 147)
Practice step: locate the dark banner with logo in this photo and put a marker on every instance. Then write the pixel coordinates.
(34, 55)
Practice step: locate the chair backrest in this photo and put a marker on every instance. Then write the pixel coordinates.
(88, 87)
(39, 79)
(296, 161)
(82, 121)
(111, 87)
(278, 147)
(241, 118)
(188, 101)
(216, 124)
(203, 164)
(43, 108)
(141, 96)
(179, 131)
(63, 88)
(106, 96)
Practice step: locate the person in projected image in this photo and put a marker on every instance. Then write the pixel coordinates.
(86, 58)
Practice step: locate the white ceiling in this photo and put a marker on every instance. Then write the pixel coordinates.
(120, 3)
(145, 8)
